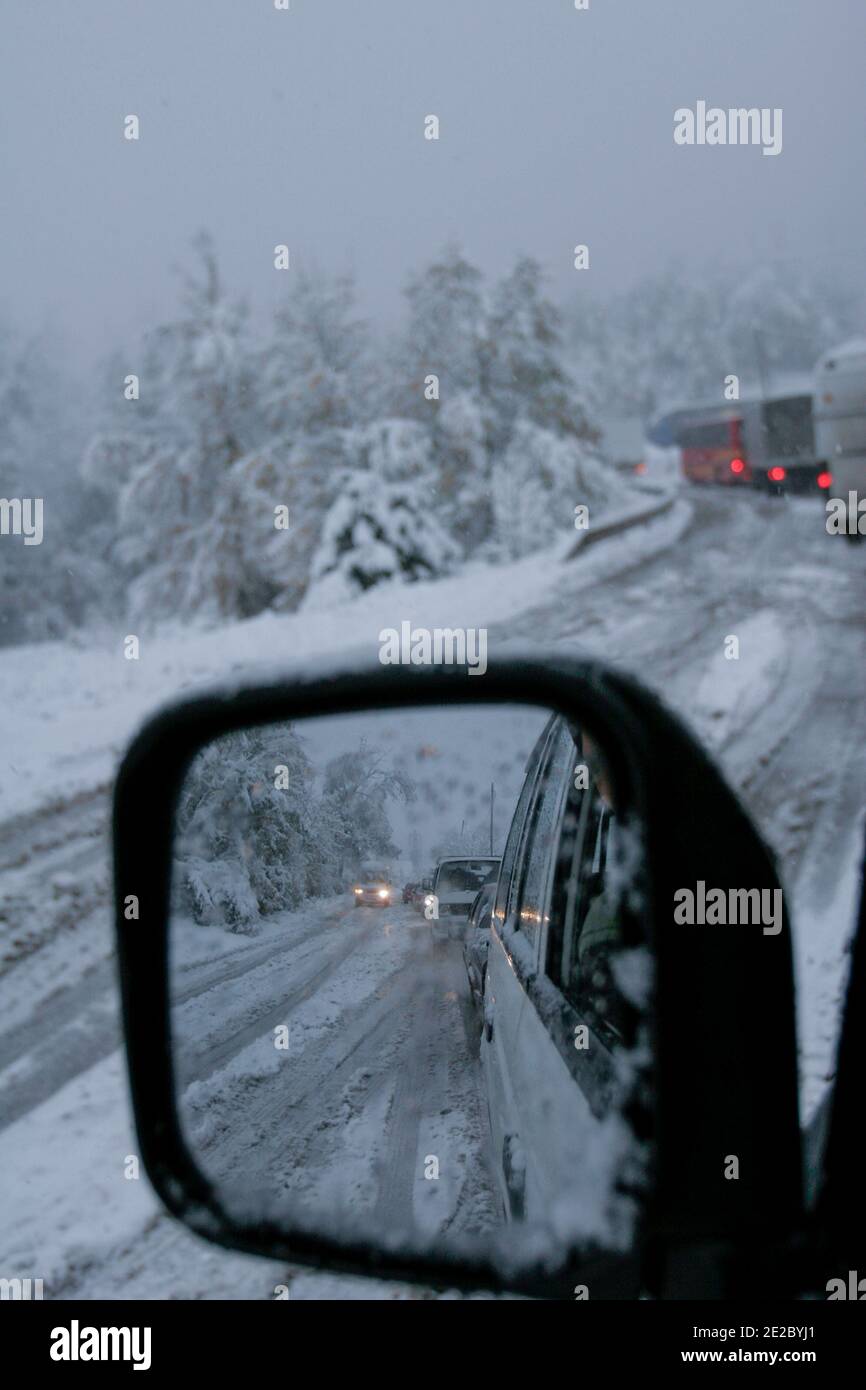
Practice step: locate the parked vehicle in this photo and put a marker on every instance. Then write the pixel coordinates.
(840, 422)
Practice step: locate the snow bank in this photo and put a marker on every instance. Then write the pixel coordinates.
(69, 711)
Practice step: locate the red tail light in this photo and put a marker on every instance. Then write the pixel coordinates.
(777, 474)
(737, 465)
(825, 479)
(640, 467)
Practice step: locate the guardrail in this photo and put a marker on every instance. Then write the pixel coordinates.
(621, 523)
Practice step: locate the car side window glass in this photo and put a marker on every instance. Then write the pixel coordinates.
(580, 817)
(592, 929)
(515, 834)
(587, 882)
(542, 841)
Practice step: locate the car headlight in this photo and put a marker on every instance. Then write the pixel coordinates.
(383, 893)
(356, 890)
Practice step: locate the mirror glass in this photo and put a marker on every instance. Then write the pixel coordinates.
(408, 1000)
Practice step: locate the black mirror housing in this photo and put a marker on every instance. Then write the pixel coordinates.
(725, 1047)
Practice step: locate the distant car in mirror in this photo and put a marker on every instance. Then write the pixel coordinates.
(373, 891)
(455, 886)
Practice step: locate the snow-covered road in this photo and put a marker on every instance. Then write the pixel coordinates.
(378, 1068)
(787, 720)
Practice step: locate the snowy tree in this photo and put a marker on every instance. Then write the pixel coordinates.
(780, 319)
(20, 363)
(310, 478)
(18, 411)
(657, 341)
(376, 531)
(672, 337)
(47, 588)
(439, 365)
(395, 450)
(502, 372)
(179, 534)
(670, 333)
(445, 334)
(536, 484)
(315, 371)
(220, 493)
(278, 545)
(357, 787)
(207, 368)
(245, 845)
(589, 343)
(527, 378)
(315, 384)
(254, 835)
(462, 487)
(118, 446)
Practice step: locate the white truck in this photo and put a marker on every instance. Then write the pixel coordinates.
(839, 413)
(455, 885)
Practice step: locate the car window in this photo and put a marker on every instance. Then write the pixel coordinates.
(590, 928)
(515, 833)
(543, 828)
(466, 875)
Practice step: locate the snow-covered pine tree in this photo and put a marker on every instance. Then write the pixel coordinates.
(257, 834)
(537, 482)
(445, 333)
(48, 588)
(674, 336)
(782, 318)
(246, 846)
(357, 787)
(460, 444)
(298, 476)
(376, 531)
(382, 524)
(18, 443)
(316, 387)
(180, 536)
(543, 444)
(316, 371)
(440, 366)
(527, 378)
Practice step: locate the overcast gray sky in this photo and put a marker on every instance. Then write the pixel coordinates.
(306, 127)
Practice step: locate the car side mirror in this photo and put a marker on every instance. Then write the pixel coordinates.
(654, 1137)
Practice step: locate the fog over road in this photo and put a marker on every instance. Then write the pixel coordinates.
(787, 721)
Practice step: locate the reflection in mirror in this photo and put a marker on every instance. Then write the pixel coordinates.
(407, 996)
